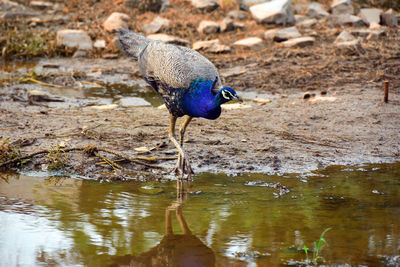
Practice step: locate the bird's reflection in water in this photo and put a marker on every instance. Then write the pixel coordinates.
(174, 249)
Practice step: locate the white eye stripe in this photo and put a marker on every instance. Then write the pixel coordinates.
(224, 94)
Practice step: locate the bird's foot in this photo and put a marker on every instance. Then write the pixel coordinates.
(183, 167)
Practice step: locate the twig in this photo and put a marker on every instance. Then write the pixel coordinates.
(109, 162)
(38, 82)
(134, 160)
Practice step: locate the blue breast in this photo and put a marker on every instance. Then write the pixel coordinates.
(199, 101)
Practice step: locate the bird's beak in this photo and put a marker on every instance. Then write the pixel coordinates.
(238, 98)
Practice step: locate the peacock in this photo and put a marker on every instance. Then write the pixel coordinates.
(187, 82)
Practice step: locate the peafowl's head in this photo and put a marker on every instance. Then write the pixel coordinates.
(227, 94)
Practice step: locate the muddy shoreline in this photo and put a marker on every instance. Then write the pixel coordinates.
(270, 133)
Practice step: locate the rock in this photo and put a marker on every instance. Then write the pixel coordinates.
(237, 15)
(370, 15)
(316, 10)
(156, 25)
(251, 42)
(228, 24)
(344, 20)
(104, 107)
(168, 39)
(41, 4)
(308, 23)
(205, 5)
(350, 47)
(270, 34)
(286, 34)
(276, 12)
(116, 21)
(207, 27)
(100, 44)
(348, 44)
(12, 10)
(74, 38)
(155, 6)
(345, 36)
(389, 18)
(213, 46)
(299, 42)
(340, 7)
(133, 102)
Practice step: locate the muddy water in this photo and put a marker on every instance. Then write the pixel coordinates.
(223, 220)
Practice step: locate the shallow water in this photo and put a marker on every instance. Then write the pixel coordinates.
(227, 221)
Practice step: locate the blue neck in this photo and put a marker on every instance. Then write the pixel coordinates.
(200, 101)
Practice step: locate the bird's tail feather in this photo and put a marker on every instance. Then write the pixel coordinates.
(131, 43)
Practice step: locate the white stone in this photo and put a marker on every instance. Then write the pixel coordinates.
(41, 4)
(316, 10)
(213, 46)
(345, 36)
(274, 12)
(116, 21)
(251, 42)
(344, 20)
(100, 44)
(370, 15)
(237, 15)
(133, 102)
(270, 34)
(299, 42)
(286, 34)
(339, 7)
(207, 27)
(168, 39)
(104, 107)
(156, 25)
(74, 39)
(307, 23)
(205, 5)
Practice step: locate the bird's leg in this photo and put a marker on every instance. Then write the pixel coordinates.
(184, 163)
(184, 125)
(178, 170)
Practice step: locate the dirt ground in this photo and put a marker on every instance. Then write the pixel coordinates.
(276, 130)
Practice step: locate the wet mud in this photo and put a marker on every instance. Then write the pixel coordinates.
(274, 131)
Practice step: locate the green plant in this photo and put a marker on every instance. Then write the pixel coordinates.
(318, 246)
(8, 151)
(57, 158)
